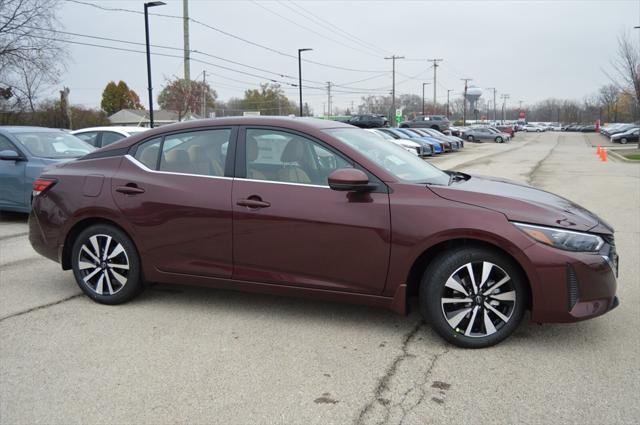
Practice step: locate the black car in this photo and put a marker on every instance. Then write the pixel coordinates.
(588, 129)
(369, 121)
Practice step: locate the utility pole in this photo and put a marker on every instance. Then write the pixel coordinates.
(146, 30)
(204, 94)
(448, 91)
(504, 98)
(300, 75)
(329, 98)
(494, 103)
(393, 89)
(423, 84)
(187, 53)
(464, 100)
(435, 67)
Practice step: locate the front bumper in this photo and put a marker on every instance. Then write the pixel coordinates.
(572, 286)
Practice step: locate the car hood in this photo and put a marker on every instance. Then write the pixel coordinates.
(522, 203)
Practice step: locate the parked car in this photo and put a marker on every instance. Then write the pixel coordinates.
(407, 144)
(446, 146)
(437, 122)
(620, 128)
(24, 153)
(369, 121)
(508, 129)
(479, 134)
(534, 128)
(506, 136)
(626, 137)
(436, 146)
(429, 132)
(477, 251)
(442, 136)
(104, 136)
(588, 129)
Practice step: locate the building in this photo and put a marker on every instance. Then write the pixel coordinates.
(140, 117)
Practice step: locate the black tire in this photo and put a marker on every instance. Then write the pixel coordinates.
(470, 138)
(434, 291)
(499, 139)
(623, 141)
(435, 127)
(111, 268)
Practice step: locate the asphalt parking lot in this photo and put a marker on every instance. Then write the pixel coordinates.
(193, 355)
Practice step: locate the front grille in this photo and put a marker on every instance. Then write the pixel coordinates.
(572, 287)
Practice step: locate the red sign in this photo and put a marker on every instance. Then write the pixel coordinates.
(521, 115)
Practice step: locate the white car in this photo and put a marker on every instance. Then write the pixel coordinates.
(534, 127)
(104, 136)
(413, 147)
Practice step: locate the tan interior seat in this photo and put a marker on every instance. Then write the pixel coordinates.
(293, 157)
(198, 157)
(177, 161)
(252, 155)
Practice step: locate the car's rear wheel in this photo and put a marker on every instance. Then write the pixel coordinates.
(470, 138)
(473, 297)
(106, 264)
(624, 140)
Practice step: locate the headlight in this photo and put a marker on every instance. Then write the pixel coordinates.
(563, 239)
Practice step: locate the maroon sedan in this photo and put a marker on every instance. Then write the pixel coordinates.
(322, 209)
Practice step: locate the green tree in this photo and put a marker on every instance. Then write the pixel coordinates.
(185, 96)
(116, 97)
(269, 99)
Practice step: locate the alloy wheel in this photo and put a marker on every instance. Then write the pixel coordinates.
(478, 299)
(103, 264)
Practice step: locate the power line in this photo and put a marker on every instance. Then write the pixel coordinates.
(323, 23)
(311, 30)
(226, 33)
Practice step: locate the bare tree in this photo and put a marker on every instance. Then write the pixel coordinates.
(627, 69)
(31, 54)
(608, 96)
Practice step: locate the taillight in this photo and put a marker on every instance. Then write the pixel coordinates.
(40, 185)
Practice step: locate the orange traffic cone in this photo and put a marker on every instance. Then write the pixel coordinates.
(599, 151)
(603, 155)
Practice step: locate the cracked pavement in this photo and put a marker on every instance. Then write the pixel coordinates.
(202, 356)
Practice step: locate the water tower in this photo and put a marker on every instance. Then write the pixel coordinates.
(473, 94)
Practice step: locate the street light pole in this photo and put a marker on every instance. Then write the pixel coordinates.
(146, 30)
(448, 91)
(300, 75)
(423, 84)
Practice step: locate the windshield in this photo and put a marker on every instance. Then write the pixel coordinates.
(54, 144)
(398, 162)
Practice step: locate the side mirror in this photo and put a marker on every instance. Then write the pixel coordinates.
(350, 180)
(9, 155)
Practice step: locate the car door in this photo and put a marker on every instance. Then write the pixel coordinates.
(176, 193)
(290, 228)
(13, 190)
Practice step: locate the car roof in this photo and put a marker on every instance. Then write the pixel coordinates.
(305, 125)
(112, 128)
(23, 128)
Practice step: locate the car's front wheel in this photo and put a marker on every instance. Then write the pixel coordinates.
(473, 297)
(499, 139)
(624, 140)
(106, 264)
(470, 138)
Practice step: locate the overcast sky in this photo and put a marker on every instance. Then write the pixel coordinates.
(531, 50)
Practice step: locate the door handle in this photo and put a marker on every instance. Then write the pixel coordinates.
(253, 203)
(130, 189)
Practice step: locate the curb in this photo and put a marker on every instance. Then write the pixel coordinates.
(620, 157)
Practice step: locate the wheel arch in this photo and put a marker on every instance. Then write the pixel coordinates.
(421, 263)
(81, 225)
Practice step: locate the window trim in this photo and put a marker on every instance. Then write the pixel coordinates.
(140, 165)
